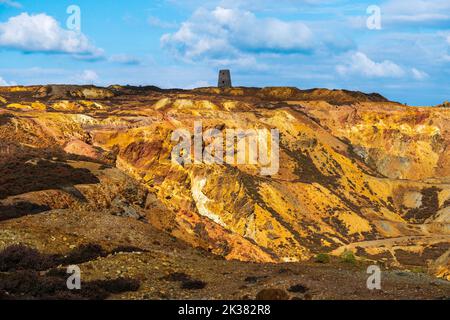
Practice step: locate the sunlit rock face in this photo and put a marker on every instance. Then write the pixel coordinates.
(399, 142)
(356, 172)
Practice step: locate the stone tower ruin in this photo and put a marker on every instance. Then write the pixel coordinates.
(224, 79)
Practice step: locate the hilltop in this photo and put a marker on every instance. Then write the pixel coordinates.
(358, 173)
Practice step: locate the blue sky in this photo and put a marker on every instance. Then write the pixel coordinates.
(183, 43)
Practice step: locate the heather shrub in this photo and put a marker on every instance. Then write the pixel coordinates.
(322, 258)
(20, 257)
(348, 257)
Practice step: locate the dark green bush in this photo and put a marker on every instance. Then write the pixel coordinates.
(348, 257)
(322, 258)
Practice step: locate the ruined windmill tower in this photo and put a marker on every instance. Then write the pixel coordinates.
(224, 79)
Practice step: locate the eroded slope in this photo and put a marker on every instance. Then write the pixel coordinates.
(356, 172)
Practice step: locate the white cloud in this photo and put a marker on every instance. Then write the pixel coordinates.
(87, 76)
(42, 33)
(362, 65)
(224, 33)
(421, 13)
(124, 59)
(416, 11)
(418, 74)
(4, 83)
(158, 23)
(420, 17)
(199, 84)
(11, 3)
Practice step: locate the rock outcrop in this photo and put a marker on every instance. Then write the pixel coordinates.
(357, 172)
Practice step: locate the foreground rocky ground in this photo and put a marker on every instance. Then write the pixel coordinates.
(86, 178)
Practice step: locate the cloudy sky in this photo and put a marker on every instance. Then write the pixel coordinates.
(404, 55)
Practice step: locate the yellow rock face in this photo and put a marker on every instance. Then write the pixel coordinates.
(68, 106)
(38, 106)
(372, 177)
(19, 106)
(401, 142)
(32, 106)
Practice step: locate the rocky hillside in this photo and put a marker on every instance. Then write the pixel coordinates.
(357, 173)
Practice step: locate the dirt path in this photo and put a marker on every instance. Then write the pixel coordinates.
(392, 242)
